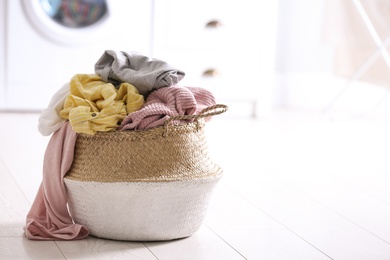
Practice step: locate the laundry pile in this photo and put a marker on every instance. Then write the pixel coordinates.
(128, 92)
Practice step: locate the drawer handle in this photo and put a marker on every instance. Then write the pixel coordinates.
(212, 73)
(213, 24)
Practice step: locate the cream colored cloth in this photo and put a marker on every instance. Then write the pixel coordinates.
(344, 28)
(50, 120)
(164, 103)
(94, 105)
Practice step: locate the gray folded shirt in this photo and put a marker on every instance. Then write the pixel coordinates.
(146, 74)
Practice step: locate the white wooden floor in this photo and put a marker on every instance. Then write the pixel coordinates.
(295, 187)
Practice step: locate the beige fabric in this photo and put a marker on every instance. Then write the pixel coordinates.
(349, 60)
(344, 28)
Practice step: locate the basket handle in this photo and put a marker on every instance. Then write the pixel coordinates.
(206, 112)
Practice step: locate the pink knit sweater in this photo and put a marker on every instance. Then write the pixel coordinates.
(167, 102)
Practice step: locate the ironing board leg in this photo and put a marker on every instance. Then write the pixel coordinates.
(381, 49)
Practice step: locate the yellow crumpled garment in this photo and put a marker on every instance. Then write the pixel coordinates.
(94, 105)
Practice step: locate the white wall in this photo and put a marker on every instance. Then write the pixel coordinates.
(2, 49)
(300, 47)
(302, 56)
(304, 66)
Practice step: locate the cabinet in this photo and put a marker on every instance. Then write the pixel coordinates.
(227, 47)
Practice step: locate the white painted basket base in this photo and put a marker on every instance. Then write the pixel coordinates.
(140, 211)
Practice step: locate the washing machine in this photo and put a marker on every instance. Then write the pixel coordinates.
(46, 42)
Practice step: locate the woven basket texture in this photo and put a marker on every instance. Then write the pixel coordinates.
(150, 155)
(143, 185)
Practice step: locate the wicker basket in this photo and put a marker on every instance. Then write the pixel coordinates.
(143, 185)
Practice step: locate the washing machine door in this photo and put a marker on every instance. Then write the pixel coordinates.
(68, 21)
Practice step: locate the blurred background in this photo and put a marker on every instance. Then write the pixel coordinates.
(317, 56)
(305, 145)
